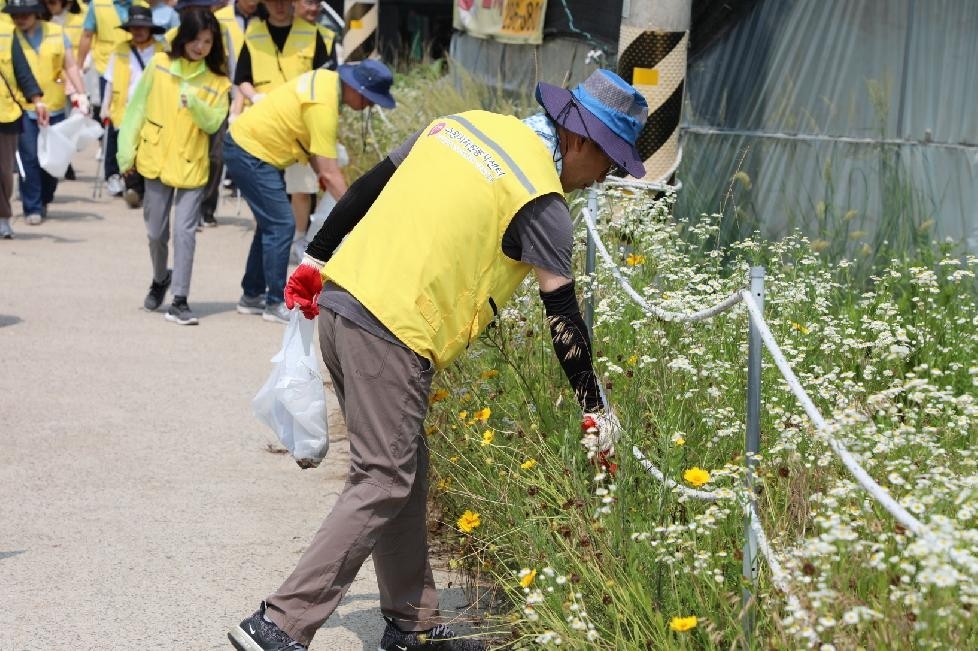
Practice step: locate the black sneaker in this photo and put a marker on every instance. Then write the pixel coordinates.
(259, 634)
(439, 638)
(209, 220)
(180, 312)
(156, 293)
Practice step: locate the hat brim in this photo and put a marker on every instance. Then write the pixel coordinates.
(153, 27)
(578, 119)
(23, 11)
(385, 100)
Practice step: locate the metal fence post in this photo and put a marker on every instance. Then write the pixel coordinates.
(752, 445)
(592, 205)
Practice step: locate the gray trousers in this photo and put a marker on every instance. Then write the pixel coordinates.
(156, 215)
(8, 150)
(383, 391)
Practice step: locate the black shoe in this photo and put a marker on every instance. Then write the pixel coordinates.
(259, 634)
(180, 312)
(439, 638)
(70, 173)
(156, 293)
(132, 198)
(209, 220)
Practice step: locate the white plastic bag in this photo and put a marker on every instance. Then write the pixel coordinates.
(54, 151)
(293, 401)
(80, 129)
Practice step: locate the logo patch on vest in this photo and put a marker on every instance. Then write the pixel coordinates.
(435, 129)
(481, 159)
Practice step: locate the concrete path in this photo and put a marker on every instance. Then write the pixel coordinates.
(141, 506)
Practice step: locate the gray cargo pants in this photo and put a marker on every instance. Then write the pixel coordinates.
(383, 391)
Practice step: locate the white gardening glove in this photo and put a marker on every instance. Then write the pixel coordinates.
(601, 431)
(257, 97)
(80, 102)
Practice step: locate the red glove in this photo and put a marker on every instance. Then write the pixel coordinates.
(303, 289)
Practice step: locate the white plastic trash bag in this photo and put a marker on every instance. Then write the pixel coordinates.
(80, 129)
(54, 151)
(293, 401)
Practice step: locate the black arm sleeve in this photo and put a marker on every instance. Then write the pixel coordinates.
(350, 209)
(572, 344)
(320, 55)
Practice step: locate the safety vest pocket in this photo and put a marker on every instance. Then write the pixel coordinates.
(429, 311)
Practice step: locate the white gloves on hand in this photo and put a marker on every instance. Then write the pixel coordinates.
(601, 431)
(80, 102)
(257, 97)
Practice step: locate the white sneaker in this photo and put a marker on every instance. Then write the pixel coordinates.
(6, 233)
(115, 185)
(33, 220)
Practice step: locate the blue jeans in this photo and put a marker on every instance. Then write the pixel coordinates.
(36, 186)
(263, 187)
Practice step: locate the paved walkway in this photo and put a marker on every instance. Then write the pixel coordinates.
(141, 507)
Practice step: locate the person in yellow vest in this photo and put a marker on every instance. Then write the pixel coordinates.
(180, 100)
(100, 37)
(70, 15)
(48, 52)
(435, 240)
(16, 81)
(122, 75)
(297, 122)
(300, 180)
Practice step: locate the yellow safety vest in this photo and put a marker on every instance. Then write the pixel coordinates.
(74, 26)
(427, 258)
(107, 33)
(121, 76)
(233, 36)
(171, 147)
(271, 68)
(273, 131)
(47, 64)
(10, 95)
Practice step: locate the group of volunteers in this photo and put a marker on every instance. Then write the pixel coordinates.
(186, 93)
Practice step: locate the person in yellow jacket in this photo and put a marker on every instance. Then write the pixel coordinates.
(122, 75)
(297, 122)
(16, 81)
(435, 239)
(48, 52)
(181, 99)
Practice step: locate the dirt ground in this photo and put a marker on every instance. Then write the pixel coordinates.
(141, 506)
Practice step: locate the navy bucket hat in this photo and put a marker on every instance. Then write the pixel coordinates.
(370, 78)
(604, 108)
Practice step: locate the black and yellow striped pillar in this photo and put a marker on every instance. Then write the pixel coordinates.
(360, 38)
(652, 48)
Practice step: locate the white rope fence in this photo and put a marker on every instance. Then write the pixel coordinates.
(779, 578)
(655, 311)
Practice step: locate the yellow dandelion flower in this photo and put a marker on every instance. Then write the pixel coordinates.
(529, 463)
(527, 579)
(487, 437)
(633, 360)
(800, 328)
(633, 259)
(443, 484)
(454, 459)
(680, 441)
(696, 476)
(483, 414)
(491, 373)
(438, 396)
(683, 624)
(462, 415)
(469, 521)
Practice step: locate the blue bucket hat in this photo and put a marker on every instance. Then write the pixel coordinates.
(370, 78)
(604, 108)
